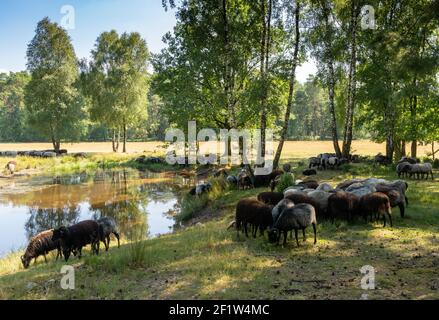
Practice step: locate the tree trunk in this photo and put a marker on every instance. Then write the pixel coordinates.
(334, 130)
(414, 149)
(115, 140)
(265, 51)
(403, 149)
(227, 68)
(347, 138)
(56, 144)
(124, 137)
(291, 89)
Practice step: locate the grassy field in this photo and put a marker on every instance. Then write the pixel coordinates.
(207, 261)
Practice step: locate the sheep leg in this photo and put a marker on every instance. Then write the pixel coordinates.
(117, 237)
(79, 253)
(297, 238)
(431, 172)
(254, 231)
(401, 209)
(304, 235)
(45, 259)
(285, 238)
(245, 229)
(384, 218)
(107, 243)
(315, 232)
(406, 201)
(390, 219)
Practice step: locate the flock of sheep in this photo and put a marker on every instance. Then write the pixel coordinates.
(300, 206)
(71, 240)
(409, 167)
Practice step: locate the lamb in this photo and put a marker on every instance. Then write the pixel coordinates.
(395, 196)
(75, 237)
(286, 167)
(332, 162)
(343, 204)
(408, 159)
(292, 190)
(309, 172)
(41, 244)
(232, 180)
(254, 212)
(272, 198)
(203, 188)
(295, 217)
(108, 226)
(381, 159)
(274, 183)
(377, 204)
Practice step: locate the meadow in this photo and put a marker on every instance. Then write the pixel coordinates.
(205, 260)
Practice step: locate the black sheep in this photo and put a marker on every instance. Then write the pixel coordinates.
(296, 217)
(75, 237)
(254, 212)
(309, 172)
(41, 244)
(272, 198)
(302, 198)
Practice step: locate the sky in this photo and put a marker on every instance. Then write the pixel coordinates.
(18, 20)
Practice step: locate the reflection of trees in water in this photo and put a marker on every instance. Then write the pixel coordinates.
(129, 213)
(45, 219)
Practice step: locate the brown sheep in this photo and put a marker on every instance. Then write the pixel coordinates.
(376, 204)
(309, 184)
(395, 196)
(342, 204)
(254, 212)
(272, 198)
(41, 244)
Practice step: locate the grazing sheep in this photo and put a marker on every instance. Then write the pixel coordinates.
(321, 197)
(75, 237)
(395, 196)
(332, 162)
(108, 226)
(382, 159)
(295, 217)
(342, 204)
(325, 187)
(421, 169)
(360, 189)
(10, 166)
(41, 244)
(277, 209)
(372, 182)
(401, 186)
(347, 183)
(203, 188)
(294, 190)
(403, 169)
(376, 204)
(305, 198)
(254, 212)
(272, 198)
(309, 172)
(408, 159)
(314, 162)
(308, 184)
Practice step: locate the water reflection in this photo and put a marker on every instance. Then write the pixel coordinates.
(140, 202)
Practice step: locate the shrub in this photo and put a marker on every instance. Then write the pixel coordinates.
(286, 180)
(436, 163)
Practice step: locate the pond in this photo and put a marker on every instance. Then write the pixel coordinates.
(141, 202)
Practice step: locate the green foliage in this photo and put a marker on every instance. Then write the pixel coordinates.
(55, 107)
(286, 180)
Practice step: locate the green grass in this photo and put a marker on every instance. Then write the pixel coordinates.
(208, 261)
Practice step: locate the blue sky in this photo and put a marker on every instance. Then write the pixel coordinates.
(18, 19)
